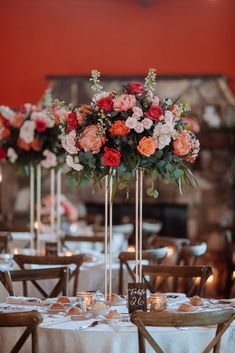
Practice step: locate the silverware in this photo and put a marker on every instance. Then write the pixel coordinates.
(94, 323)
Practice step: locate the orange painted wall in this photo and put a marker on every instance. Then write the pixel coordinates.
(116, 36)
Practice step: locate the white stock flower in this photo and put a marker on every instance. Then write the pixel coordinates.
(68, 142)
(169, 118)
(131, 122)
(6, 112)
(50, 161)
(73, 162)
(12, 155)
(27, 131)
(99, 96)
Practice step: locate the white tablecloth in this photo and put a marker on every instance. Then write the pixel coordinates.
(64, 338)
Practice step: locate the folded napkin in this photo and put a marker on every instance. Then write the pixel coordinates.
(26, 301)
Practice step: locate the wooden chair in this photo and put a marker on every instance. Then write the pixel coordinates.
(5, 237)
(195, 274)
(188, 253)
(81, 239)
(221, 318)
(30, 320)
(61, 273)
(230, 261)
(51, 260)
(153, 256)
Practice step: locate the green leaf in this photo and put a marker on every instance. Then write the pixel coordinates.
(178, 173)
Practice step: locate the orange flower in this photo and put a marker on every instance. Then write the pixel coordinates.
(147, 146)
(16, 120)
(182, 144)
(36, 145)
(23, 145)
(80, 118)
(119, 128)
(5, 133)
(90, 141)
(85, 109)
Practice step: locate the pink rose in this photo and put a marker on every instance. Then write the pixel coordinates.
(90, 141)
(182, 144)
(147, 123)
(139, 127)
(131, 122)
(69, 142)
(136, 87)
(137, 113)
(154, 112)
(124, 102)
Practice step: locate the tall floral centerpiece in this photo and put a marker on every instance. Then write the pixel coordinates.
(29, 139)
(125, 134)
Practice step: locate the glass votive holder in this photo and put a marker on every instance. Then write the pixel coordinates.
(89, 297)
(158, 301)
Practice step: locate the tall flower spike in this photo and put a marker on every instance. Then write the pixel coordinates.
(96, 87)
(150, 80)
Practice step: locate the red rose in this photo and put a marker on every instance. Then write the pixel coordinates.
(135, 87)
(111, 157)
(5, 122)
(2, 154)
(105, 103)
(40, 125)
(154, 112)
(72, 120)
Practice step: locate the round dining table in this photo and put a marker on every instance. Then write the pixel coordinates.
(62, 336)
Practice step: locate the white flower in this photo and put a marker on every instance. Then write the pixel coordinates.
(41, 116)
(12, 155)
(139, 127)
(156, 100)
(131, 122)
(68, 142)
(50, 160)
(6, 112)
(163, 140)
(27, 131)
(99, 96)
(169, 117)
(137, 113)
(147, 123)
(73, 162)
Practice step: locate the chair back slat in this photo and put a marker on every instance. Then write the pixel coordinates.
(221, 318)
(153, 256)
(33, 275)
(190, 273)
(30, 320)
(51, 260)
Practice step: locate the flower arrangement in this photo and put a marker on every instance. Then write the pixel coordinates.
(66, 209)
(29, 137)
(127, 129)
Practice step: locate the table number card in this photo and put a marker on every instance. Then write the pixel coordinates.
(137, 299)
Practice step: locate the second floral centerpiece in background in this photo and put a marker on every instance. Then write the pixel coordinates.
(127, 129)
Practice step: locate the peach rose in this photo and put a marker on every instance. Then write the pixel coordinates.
(124, 102)
(182, 144)
(147, 146)
(90, 141)
(36, 145)
(5, 133)
(16, 120)
(119, 128)
(23, 145)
